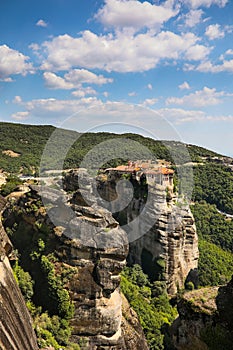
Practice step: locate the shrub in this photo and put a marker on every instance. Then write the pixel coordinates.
(24, 281)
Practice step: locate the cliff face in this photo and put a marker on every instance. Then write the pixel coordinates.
(196, 314)
(16, 331)
(205, 319)
(166, 242)
(90, 249)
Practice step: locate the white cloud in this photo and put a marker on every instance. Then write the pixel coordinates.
(150, 102)
(209, 67)
(214, 31)
(120, 52)
(200, 98)
(193, 17)
(135, 14)
(88, 112)
(229, 52)
(13, 62)
(197, 52)
(184, 86)
(53, 81)
(149, 86)
(34, 47)
(74, 79)
(133, 93)
(80, 76)
(41, 23)
(82, 92)
(205, 3)
(20, 115)
(7, 80)
(179, 115)
(17, 100)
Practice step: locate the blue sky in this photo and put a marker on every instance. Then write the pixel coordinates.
(162, 68)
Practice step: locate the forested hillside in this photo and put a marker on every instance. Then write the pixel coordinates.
(28, 141)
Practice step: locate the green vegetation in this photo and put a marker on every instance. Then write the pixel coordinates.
(37, 272)
(214, 184)
(151, 304)
(30, 140)
(217, 338)
(213, 226)
(215, 265)
(215, 244)
(24, 281)
(11, 184)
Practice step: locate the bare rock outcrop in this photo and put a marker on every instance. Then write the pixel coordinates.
(197, 311)
(16, 330)
(205, 319)
(161, 231)
(90, 246)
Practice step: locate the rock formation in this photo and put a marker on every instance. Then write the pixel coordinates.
(16, 331)
(161, 231)
(92, 248)
(205, 319)
(197, 311)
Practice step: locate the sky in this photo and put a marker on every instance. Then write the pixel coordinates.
(160, 68)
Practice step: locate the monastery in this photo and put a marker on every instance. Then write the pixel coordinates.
(158, 172)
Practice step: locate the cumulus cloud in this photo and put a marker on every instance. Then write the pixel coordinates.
(197, 52)
(120, 52)
(53, 81)
(136, 15)
(149, 86)
(149, 102)
(205, 3)
(87, 112)
(13, 62)
(184, 86)
(209, 67)
(193, 17)
(214, 31)
(80, 76)
(74, 79)
(200, 98)
(41, 23)
(84, 91)
(20, 115)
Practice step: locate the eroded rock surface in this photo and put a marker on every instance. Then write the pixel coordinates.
(161, 232)
(91, 247)
(16, 330)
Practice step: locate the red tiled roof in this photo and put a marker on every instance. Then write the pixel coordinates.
(166, 171)
(126, 168)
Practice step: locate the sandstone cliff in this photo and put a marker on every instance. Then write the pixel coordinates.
(161, 231)
(16, 331)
